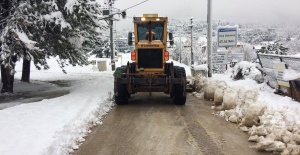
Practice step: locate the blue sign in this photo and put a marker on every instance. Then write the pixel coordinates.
(227, 37)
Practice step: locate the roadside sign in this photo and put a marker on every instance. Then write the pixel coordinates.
(227, 37)
(106, 12)
(279, 68)
(238, 57)
(219, 58)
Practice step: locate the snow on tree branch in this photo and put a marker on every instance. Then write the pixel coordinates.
(70, 5)
(58, 19)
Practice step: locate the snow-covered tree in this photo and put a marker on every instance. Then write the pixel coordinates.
(250, 54)
(44, 28)
(274, 48)
(294, 46)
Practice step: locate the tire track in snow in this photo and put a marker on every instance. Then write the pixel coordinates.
(198, 133)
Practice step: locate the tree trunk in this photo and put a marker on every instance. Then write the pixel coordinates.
(26, 69)
(7, 80)
(7, 77)
(2, 74)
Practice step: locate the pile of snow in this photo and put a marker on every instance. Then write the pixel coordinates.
(290, 74)
(245, 69)
(219, 92)
(272, 124)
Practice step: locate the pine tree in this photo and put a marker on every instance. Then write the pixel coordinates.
(43, 28)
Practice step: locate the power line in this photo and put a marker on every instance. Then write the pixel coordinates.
(120, 11)
(136, 5)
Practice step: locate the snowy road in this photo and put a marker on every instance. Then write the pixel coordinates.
(54, 113)
(154, 125)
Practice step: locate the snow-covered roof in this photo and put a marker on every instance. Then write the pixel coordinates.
(257, 47)
(200, 67)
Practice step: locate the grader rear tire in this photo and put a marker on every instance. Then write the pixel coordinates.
(179, 96)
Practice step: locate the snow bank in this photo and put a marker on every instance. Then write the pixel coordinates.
(290, 74)
(252, 114)
(57, 125)
(271, 123)
(218, 96)
(73, 134)
(230, 97)
(209, 89)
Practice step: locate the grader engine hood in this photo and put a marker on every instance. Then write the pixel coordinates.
(150, 55)
(147, 44)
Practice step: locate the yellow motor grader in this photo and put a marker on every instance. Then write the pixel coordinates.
(149, 70)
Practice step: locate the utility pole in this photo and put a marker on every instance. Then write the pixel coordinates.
(111, 23)
(209, 36)
(180, 44)
(109, 14)
(180, 49)
(192, 55)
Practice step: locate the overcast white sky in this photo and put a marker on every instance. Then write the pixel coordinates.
(239, 11)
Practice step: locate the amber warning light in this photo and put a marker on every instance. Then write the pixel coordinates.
(166, 55)
(133, 56)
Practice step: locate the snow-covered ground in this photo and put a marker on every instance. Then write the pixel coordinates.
(58, 125)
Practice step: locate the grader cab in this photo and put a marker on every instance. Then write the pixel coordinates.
(150, 69)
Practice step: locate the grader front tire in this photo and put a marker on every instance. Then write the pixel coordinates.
(121, 94)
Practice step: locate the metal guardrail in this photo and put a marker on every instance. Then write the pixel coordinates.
(267, 61)
(292, 62)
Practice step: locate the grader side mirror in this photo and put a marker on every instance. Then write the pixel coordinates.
(130, 38)
(171, 38)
